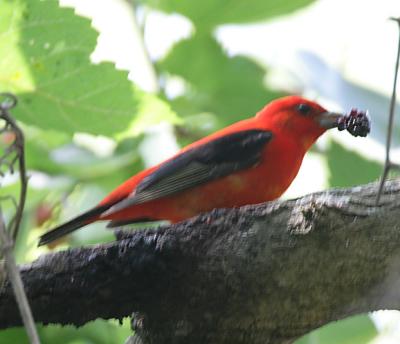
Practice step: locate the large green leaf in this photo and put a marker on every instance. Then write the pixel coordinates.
(231, 88)
(44, 59)
(95, 332)
(209, 13)
(354, 330)
(348, 168)
(14, 335)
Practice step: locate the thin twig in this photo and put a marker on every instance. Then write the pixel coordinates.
(388, 163)
(18, 146)
(8, 236)
(16, 282)
(155, 86)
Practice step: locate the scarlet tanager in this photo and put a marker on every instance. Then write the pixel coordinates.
(251, 161)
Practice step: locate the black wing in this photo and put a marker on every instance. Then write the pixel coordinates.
(212, 160)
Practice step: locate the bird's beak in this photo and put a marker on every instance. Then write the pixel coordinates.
(328, 119)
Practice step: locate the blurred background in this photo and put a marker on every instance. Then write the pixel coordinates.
(109, 87)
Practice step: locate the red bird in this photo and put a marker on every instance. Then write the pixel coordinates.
(251, 161)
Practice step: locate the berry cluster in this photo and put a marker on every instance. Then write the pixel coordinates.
(357, 123)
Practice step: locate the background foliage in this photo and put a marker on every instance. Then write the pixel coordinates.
(85, 122)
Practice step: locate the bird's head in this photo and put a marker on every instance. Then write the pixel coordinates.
(299, 117)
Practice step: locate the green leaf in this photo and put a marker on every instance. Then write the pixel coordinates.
(38, 147)
(348, 168)
(195, 127)
(210, 13)
(151, 110)
(231, 88)
(47, 154)
(354, 330)
(96, 332)
(44, 59)
(14, 335)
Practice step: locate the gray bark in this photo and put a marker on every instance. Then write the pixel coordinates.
(259, 274)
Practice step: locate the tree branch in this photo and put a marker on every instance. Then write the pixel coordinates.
(259, 274)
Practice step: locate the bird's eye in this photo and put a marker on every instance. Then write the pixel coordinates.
(304, 109)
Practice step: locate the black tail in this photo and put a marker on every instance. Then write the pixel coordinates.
(71, 225)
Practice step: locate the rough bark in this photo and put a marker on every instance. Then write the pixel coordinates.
(259, 274)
